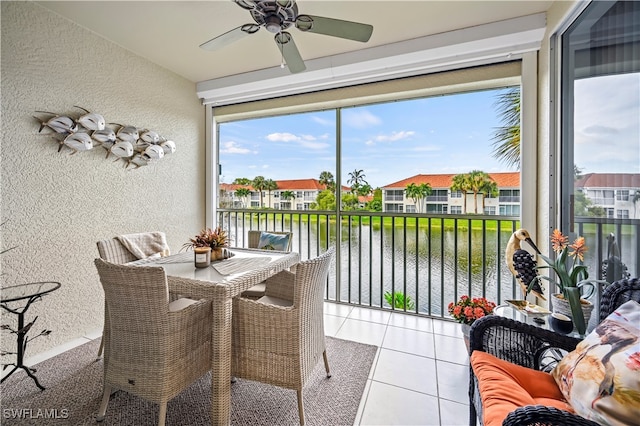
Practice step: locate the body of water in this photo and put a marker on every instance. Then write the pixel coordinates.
(434, 265)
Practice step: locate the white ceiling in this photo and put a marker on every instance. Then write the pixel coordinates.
(169, 33)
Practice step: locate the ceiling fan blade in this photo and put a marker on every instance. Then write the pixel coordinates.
(290, 52)
(230, 37)
(334, 27)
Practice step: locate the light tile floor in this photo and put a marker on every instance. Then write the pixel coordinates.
(420, 374)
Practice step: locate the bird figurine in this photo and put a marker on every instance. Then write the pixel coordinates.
(522, 264)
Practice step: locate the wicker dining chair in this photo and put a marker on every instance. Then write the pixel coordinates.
(253, 237)
(536, 348)
(279, 338)
(156, 348)
(258, 290)
(113, 251)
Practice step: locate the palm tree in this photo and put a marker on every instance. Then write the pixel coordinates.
(364, 190)
(356, 180)
(635, 199)
(270, 185)
(258, 184)
(418, 193)
(241, 181)
(506, 138)
(489, 189)
(461, 183)
(243, 193)
(326, 179)
(287, 196)
(479, 181)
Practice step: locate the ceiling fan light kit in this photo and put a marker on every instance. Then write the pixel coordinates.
(276, 17)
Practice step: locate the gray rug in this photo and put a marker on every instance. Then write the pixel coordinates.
(73, 382)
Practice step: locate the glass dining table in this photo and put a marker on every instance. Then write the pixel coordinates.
(219, 283)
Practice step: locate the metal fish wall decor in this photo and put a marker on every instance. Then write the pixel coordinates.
(134, 146)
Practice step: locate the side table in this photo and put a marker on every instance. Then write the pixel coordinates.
(30, 293)
(538, 320)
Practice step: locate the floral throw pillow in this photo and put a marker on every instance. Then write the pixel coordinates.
(601, 377)
(268, 241)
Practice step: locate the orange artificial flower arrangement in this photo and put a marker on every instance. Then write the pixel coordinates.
(570, 272)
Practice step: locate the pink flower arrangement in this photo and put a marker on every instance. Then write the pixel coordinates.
(468, 309)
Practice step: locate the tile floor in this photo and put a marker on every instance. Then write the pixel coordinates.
(420, 374)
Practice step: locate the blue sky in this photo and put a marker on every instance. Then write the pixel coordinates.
(389, 142)
(443, 134)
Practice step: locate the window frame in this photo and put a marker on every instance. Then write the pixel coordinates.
(528, 80)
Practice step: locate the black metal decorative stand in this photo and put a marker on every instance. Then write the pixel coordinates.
(29, 292)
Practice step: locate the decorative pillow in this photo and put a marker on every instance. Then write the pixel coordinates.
(601, 377)
(268, 241)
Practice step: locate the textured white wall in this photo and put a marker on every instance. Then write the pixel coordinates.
(58, 205)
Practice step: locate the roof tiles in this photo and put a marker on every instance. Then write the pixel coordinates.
(503, 180)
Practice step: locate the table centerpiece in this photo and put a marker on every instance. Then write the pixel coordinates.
(216, 238)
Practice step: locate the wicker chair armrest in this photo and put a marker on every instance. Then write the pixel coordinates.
(281, 285)
(195, 318)
(269, 327)
(199, 311)
(540, 415)
(255, 309)
(515, 341)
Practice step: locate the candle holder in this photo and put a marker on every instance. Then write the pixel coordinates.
(202, 257)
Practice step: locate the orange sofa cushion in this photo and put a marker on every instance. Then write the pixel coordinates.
(505, 386)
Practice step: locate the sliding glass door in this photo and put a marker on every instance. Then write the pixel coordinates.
(600, 122)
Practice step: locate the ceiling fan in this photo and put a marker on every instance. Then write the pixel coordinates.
(277, 16)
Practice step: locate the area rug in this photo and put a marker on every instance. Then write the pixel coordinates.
(73, 382)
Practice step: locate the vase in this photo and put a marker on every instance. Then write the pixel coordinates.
(217, 254)
(560, 323)
(466, 332)
(561, 306)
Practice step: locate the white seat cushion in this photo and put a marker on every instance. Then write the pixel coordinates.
(255, 291)
(180, 304)
(270, 300)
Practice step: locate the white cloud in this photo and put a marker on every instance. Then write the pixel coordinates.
(282, 137)
(323, 121)
(232, 147)
(607, 124)
(360, 119)
(305, 141)
(391, 137)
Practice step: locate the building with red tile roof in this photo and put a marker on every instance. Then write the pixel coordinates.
(443, 200)
(618, 194)
(305, 192)
(614, 192)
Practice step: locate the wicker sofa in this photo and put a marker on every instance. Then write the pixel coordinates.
(535, 348)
